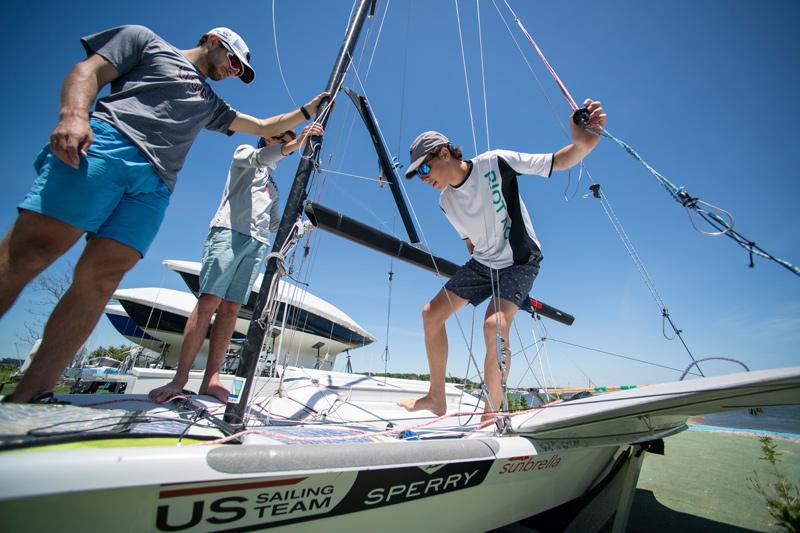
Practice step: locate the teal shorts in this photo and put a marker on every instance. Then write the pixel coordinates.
(115, 193)
(231, 261)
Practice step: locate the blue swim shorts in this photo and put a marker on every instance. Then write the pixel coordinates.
(473, 282)
(115, 193)
(231, 261)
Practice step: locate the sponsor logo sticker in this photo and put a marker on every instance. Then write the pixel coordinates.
(529, 463)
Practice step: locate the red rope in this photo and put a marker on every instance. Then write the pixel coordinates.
(561, 85)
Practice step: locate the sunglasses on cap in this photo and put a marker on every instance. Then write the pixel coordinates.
(233, 60)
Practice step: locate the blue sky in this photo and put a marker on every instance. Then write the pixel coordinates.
(703, 90)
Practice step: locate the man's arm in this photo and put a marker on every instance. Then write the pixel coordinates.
(312, 129)
(72, 136)
(583, 142)
(470, 246)
(269, 127)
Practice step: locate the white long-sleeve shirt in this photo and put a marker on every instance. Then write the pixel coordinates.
(249, 202)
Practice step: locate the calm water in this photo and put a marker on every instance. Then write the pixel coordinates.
(784, 419)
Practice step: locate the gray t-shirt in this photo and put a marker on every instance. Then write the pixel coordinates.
(250, 201)
(160, 100)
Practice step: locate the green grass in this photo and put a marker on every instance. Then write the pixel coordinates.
(702, 484)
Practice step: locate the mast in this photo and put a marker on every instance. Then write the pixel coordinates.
(334, 222)
(388, 168)
(234, 412)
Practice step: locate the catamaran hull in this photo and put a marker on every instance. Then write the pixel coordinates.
(509, 483)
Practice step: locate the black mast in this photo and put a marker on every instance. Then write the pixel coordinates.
(234, 412)
(387, 166)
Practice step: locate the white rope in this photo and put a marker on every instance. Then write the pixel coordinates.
(422, 233)
(483, 77)
(557, 117)
(377, 39)
(466, 80)
(278, 56)
(358, 176)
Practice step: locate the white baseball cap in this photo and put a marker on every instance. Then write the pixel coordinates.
(236, 44)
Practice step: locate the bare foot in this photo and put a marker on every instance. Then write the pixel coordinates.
(486, 418)
(217, 391)
(437, 406)
(164, 393)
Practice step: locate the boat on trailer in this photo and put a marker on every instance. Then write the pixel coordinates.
(342, 456)
(320, 449)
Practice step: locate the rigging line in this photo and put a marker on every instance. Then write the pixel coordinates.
(552, 107)
(691, 203)
(558, 119)
(648, 281)
(561, 85)
(349, 114)
(388, 314)
(150, 316)
(527, 361)
(466, 79)
(422, 233)
(623, 236)
(376, 180)
(365, 207)
(403, 81)
(621, 356)
(278, 56)
(544, 360)
(678, 193)
(377, 39)
(483, 76)
(606, 206)
(494, 275)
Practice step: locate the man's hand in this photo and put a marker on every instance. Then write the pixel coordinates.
(72, 138)
(597, 117)
(313, 105)
(312, 129)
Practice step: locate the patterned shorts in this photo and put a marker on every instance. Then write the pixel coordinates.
(473, 282)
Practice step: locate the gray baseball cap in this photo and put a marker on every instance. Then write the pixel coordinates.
(423, 145)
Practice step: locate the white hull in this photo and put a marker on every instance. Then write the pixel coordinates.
(332, 450)
(173, 489)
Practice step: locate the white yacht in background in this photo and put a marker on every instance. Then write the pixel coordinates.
(152, 317)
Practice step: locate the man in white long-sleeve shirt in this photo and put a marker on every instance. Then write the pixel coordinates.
(480, 198)
(234, 248)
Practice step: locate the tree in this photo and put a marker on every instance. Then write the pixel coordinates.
(523, 402)
(48, 288)
(118, 353)
(512, 402)
(781, 495)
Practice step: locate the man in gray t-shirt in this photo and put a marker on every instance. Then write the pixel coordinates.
(109, 174)
(232, 255)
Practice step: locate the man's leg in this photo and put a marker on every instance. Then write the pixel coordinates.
(221, 334)
(100, 269)
(499, 316)
(434, 315)
(194, 334)
(31, 245)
